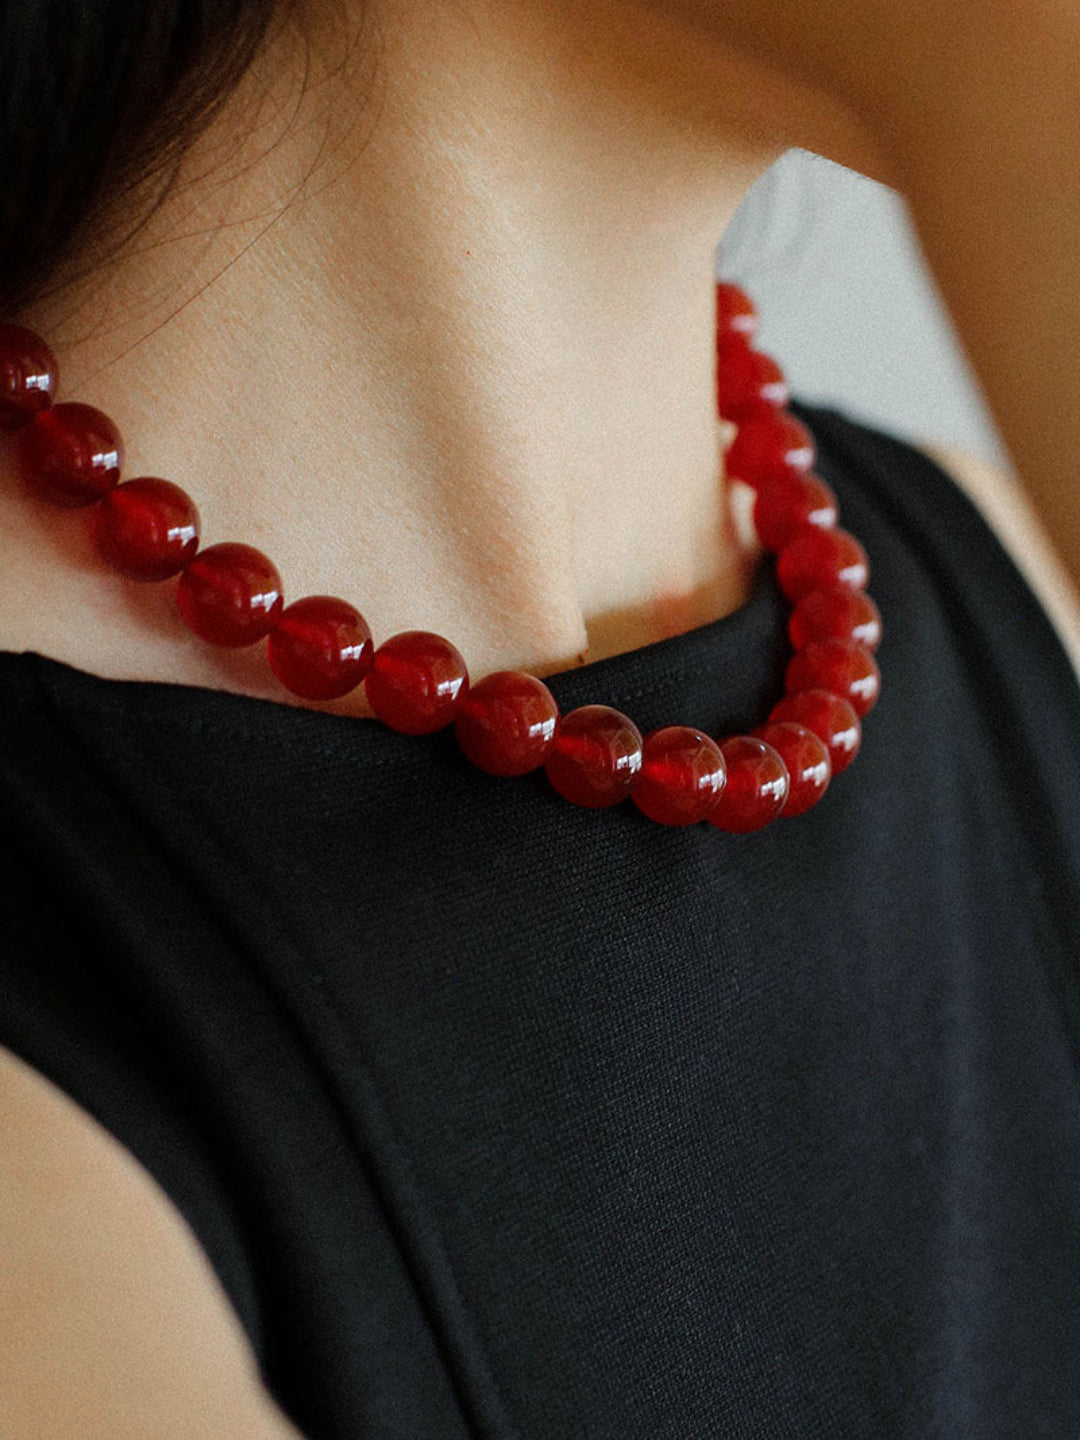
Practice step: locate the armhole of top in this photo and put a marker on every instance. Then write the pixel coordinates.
(1001, 499)
(132, 1310)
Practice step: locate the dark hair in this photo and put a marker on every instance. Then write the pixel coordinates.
(99, 99)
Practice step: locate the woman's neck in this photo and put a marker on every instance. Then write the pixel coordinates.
(436, 334)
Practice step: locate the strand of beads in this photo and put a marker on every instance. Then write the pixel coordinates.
(508, 723)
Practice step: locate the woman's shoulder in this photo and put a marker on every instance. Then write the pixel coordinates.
(110, 1308)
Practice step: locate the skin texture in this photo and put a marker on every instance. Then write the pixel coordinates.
(435, 332)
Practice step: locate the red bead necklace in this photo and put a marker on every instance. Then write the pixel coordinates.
(508, 723)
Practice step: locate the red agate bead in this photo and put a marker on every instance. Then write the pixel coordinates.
(682, 775)
(596, 756)
(506, 723)
(807, 760)
(747, 380)
(817, 558)
(835, 613)
(829, 716)
(843, 666)
(756, 789)
(28, 375)
(148, 529)
(230, 594)
(320, 648)
(736, 313)
(70, 454)
(785, 506)
(416, 682)
(769, 444)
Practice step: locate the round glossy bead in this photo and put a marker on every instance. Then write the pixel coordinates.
(784, 507)
(596, 756)
(506, 723)
(230, 594)
(835, 613)
(769, 444)
(736, 313)
(320, 648)
(28, 375)
(843, 666)
(818, 558)
(682, 775)
(807, 760)
(756, 789)
(417, 682)
(829, 716)
(747, 380)
(70, 454)
(148, 529)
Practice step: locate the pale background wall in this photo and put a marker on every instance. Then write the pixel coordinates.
(848, 306)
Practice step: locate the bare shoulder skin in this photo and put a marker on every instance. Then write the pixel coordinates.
(113, 1326)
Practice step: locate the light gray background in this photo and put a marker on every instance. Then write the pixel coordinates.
(848, 306)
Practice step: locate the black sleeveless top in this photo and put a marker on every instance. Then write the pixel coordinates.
(499, 1118)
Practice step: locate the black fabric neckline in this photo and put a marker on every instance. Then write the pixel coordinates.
(735, 654)
(721, 676)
